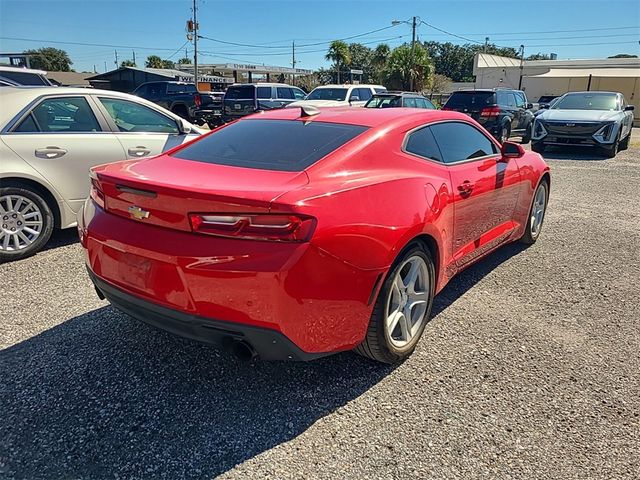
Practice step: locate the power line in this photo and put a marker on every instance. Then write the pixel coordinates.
(86, 44)
(635, 27)
(300, 45)
(452, 34)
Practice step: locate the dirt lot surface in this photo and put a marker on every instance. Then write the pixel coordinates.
(529, 369)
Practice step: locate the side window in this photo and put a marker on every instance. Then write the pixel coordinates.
(142, 90)
(511, 99)
(132, 117)
(264, 92)
(284, 92)
(520, 100)
(422, 143)
(424, 103)
(155, 89)
(298, 94)
(460, 141)
(410, 102)
(364, 94)
(355, 95)
(69, 114)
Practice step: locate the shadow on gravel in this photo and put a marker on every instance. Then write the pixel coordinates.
(62, 238)
(102, 394)
(460, 284)
(568, 153)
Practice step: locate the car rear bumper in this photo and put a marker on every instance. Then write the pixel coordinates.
(292, 291)
(268, 344)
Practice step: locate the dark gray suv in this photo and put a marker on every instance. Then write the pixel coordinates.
(244, 99)
(503, 112)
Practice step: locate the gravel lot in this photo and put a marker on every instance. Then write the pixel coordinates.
(529, 369)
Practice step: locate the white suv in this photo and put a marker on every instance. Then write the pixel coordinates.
(340, 95)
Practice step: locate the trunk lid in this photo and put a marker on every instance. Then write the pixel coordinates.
(163, 190)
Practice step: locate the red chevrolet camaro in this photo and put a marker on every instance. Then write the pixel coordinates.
(299, 233)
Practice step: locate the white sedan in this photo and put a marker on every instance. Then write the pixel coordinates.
(51, 136)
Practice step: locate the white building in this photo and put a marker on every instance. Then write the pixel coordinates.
(556, 77)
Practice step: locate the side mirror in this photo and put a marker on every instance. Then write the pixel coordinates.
(544, 106)
(629, 108)
(354, 98)
(183, 127)
(529, 106)
(511, 150)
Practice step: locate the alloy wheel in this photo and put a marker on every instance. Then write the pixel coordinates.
(538, 209)
(21, 222)
(408, 300)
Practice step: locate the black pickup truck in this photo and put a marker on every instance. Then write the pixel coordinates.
(179, 97)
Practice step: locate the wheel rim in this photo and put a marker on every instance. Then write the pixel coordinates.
(21, 222)
(408, 301)
(503, 135)
(537, 211)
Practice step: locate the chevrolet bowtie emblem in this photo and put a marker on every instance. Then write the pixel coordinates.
(138, 213)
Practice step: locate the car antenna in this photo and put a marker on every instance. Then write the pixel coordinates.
(308, 111)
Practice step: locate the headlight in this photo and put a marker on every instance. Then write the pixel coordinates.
(538, 129)
(605, 134)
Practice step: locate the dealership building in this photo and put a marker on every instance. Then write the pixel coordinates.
(556, 77)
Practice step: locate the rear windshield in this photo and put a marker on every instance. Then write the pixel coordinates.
(384, 102)
(240, 93)
(470, 100)
(283, 145)
(181, 88)
(338, 94)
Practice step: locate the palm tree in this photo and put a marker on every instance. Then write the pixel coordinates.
(379, 60)
(405, 69)
(339, 54)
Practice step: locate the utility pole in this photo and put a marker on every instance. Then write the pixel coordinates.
(486, 44)
(413, 46)
(134, 56)
(195, 43)
(116, 62)
(521, 66)
(105, 66)
(293, 60)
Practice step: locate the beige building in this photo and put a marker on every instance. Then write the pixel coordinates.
(556, 77)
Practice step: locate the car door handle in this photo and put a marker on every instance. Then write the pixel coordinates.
(139, 151)
(50, 152)
(465, 188)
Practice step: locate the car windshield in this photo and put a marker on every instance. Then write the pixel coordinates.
(470, 100)
(181, 88)
(282, 145)
(338, 94)
(587, 101)
(384, 102)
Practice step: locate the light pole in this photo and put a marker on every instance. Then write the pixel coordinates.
(413, 45)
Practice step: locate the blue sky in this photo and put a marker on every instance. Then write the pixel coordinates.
(158, 27)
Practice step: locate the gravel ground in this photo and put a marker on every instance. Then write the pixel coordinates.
(529, 369)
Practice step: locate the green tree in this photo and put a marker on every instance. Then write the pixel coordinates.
(623, 55)
(339, 54)
(168, 64)
(403, 67)
(539, 56)
(154, 61)
(128, 63)
(184, 61)
(361, 59)
(50, 59)
(379, 60)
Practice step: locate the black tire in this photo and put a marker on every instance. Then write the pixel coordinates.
(526, 138)
(377, 343)
(537, 147)
(181, 111)
(612, 151)
(624, 144)
(9, 253)
(531, 236)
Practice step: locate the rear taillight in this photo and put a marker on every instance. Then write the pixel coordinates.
(283, 228)
(197, 99)
(96, 193)
(490, 112)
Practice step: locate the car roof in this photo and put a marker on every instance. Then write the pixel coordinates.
(592, 92)
(397, 94)
(347, 85)
(9, 68)
(14, 99)
(366, 117)
(262, 84)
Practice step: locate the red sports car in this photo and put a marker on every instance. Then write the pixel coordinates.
(299, 233)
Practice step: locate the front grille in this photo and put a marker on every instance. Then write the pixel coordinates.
(572, 129)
